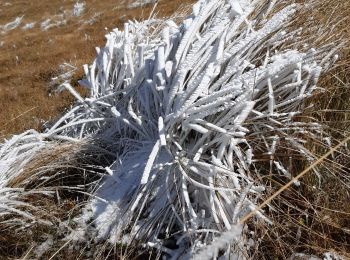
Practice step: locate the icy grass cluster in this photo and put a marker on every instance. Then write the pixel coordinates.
(61, 19)
(140, 3)
(11, 25)
(28, 26)
(15, 154)
(54, 21)
(189, 111)
(78, 8)
(66, 72)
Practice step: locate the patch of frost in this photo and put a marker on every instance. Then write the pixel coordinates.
(139, 3)
(44, 247)
(92, 19)
(56, 21)
(66, 71)
(29, 26)
(332, 256)
(78, 8)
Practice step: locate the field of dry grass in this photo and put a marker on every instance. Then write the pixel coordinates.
(30, 58)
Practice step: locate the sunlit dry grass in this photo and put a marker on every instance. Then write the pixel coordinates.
(313, 219)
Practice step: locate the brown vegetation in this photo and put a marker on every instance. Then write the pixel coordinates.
(314, 218)
(30, 58)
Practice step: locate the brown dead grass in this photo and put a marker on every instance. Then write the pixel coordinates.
(326, 197)
(29, 59)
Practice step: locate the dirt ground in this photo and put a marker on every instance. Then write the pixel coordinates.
(30, 58)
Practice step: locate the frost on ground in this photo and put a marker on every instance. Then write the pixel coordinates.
(92, 19)
(48, 23)
(11, 25)
(28, 26)
(55, 21)
(66, 72)
(326, 256)
(139, 3)
(189, 112)
(78, 8)
(62, 19)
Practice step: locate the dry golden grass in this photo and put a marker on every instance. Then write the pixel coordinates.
(24, 81)
(314, 218)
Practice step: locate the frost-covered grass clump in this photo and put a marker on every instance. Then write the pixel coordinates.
(79, 8)
(191, 113)
(140, 3)
(11, 25)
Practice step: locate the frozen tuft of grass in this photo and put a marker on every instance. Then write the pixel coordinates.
(11, 25)
(29, 26)
(191, 113)
(55, 21)
(140, 3)
(66, 72)
(196, 107)
(79, 8)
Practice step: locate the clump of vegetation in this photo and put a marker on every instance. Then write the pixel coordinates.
(193, 129)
